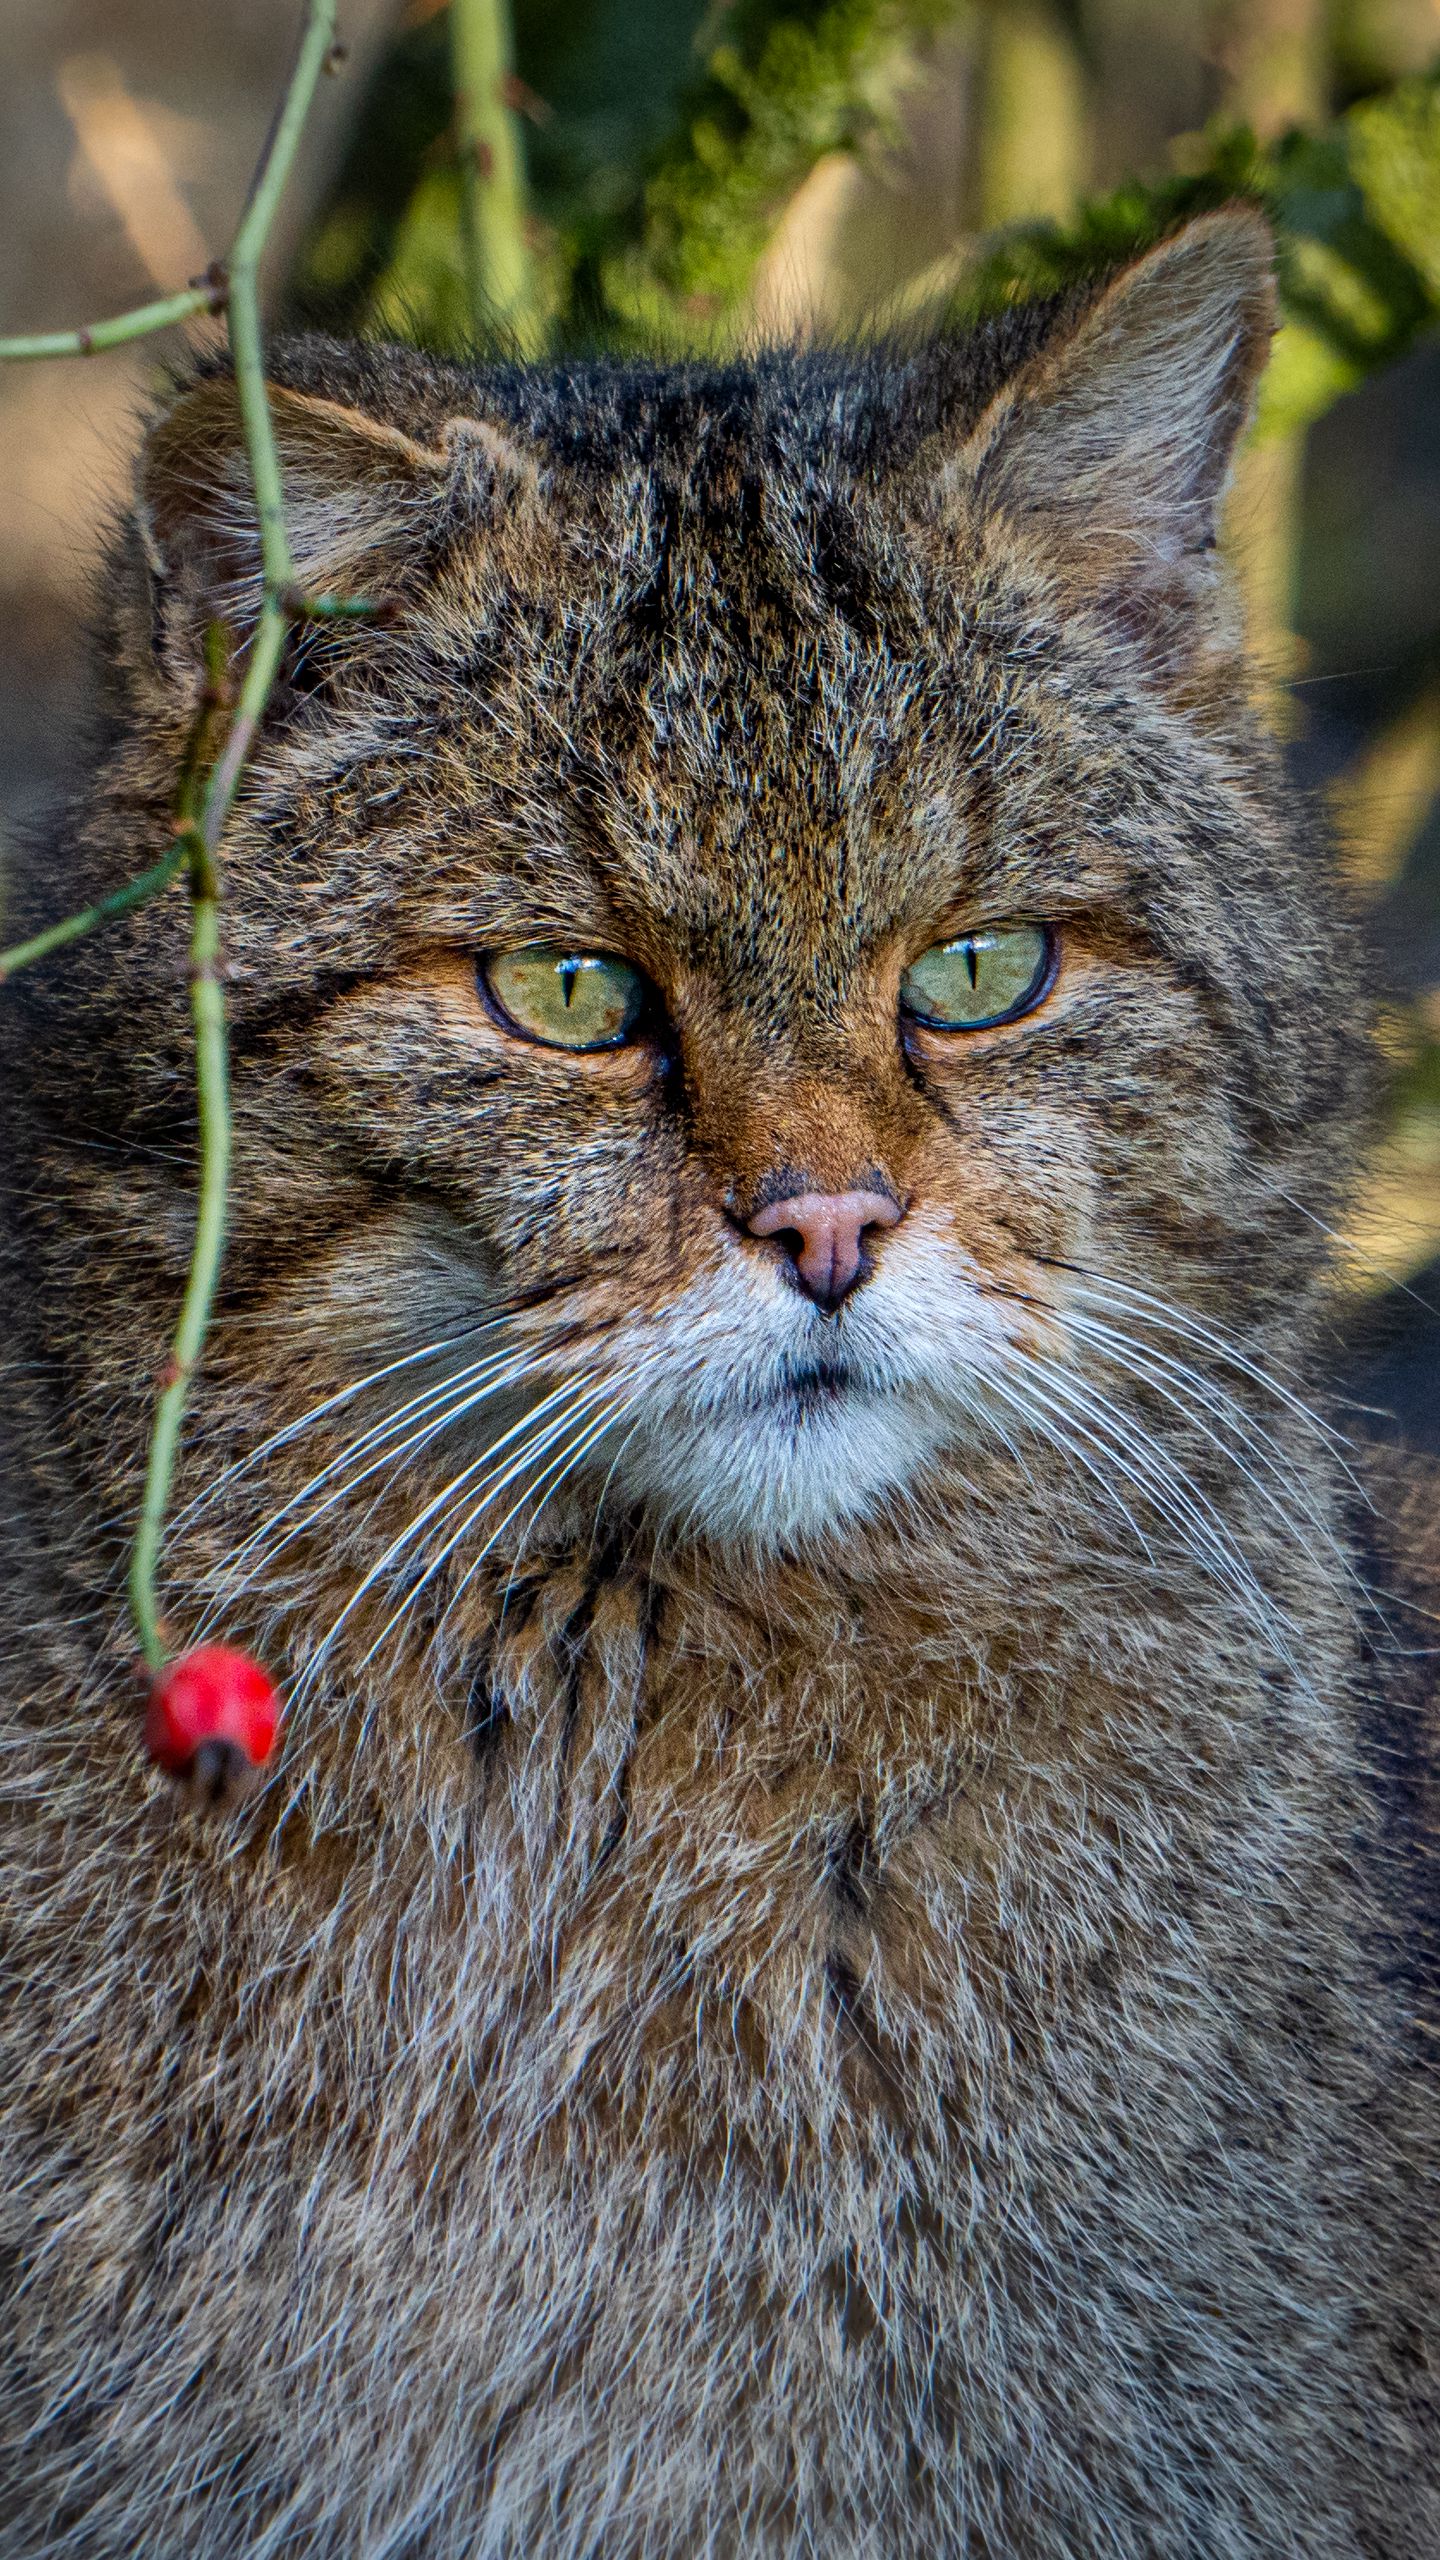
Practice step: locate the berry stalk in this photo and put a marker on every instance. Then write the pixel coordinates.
(206, 796)
(198, 828)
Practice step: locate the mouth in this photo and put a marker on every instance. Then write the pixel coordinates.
(788, 1453)
(807, 1388)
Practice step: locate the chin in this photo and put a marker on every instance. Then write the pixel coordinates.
(790, 1474)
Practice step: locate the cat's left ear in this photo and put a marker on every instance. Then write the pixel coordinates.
(1116, 442)
(364, 504)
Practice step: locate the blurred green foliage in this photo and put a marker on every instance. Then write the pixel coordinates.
(664, 138)
(603, 83)
(1356, 209)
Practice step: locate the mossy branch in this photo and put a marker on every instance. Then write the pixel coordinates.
(498, 279)
(208, 787)
(781, 84)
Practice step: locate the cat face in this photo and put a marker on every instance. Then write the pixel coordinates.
(781, 930)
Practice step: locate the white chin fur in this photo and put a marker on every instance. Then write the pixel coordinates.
(720, 1441)
(781, 1479)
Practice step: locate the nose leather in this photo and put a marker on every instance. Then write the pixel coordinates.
(824, 1233)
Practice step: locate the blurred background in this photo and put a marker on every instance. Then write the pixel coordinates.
(693, 174)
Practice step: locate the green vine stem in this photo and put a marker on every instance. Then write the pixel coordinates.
(206, 798)
(146, 884)
(212, 1078)
(492, 171)
(208, 295)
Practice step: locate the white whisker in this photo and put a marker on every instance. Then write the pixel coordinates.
(1153, 1467)
(1032, 1411)
(438, 1502)
(547, 1439)
(1347, 1245)
(1168, 1490)
(558, 1468)
(435, 1411)
(1187, 1326)
(1186, 1389)
(329, 1404)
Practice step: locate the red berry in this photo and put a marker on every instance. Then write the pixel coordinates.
(214, 1696)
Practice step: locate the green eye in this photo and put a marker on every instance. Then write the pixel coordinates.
(980, 978)
(568, 999)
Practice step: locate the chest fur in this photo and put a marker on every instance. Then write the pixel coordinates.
(904, 2044)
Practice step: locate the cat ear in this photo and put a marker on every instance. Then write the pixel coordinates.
(1117, 441)
(361, 500)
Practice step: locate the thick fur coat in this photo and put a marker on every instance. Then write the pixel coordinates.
(833, 1962)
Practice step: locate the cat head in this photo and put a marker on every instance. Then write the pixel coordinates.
(783, 931)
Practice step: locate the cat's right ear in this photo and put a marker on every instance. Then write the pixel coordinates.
(364, 506)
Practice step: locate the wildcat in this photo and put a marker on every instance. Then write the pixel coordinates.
(831, 1963)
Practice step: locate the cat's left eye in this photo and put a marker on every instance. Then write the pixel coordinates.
(567, 999)
(980, 979)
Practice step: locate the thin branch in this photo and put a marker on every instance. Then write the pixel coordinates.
(327, 608)
(212, 1068)
(265, 653)
(97, 335)
(244, 307)
(195, 813)
(207, 1005)
(146, 884)
(205, 797)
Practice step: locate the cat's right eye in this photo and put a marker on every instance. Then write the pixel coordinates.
(566, 999)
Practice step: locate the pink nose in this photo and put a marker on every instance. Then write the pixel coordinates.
(824, 1234)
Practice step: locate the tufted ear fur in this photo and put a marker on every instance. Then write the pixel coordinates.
(1117, 441)
(362, 501)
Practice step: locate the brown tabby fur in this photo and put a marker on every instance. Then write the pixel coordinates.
(838, 1981)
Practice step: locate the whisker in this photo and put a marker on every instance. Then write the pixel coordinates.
(585, 1407)
(1392, 1279)
(1184, 1388)
(1170, 1491)
(1032, 1411)
(1185, 1325)
(434, 1411)
(329, 1404)
(519, 1302)
(558, 1467)
(262, 1550)
(437, 1503)
(563, 1460)
(1153, 1464)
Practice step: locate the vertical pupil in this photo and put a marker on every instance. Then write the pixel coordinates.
(569, 972)
(971, 963)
